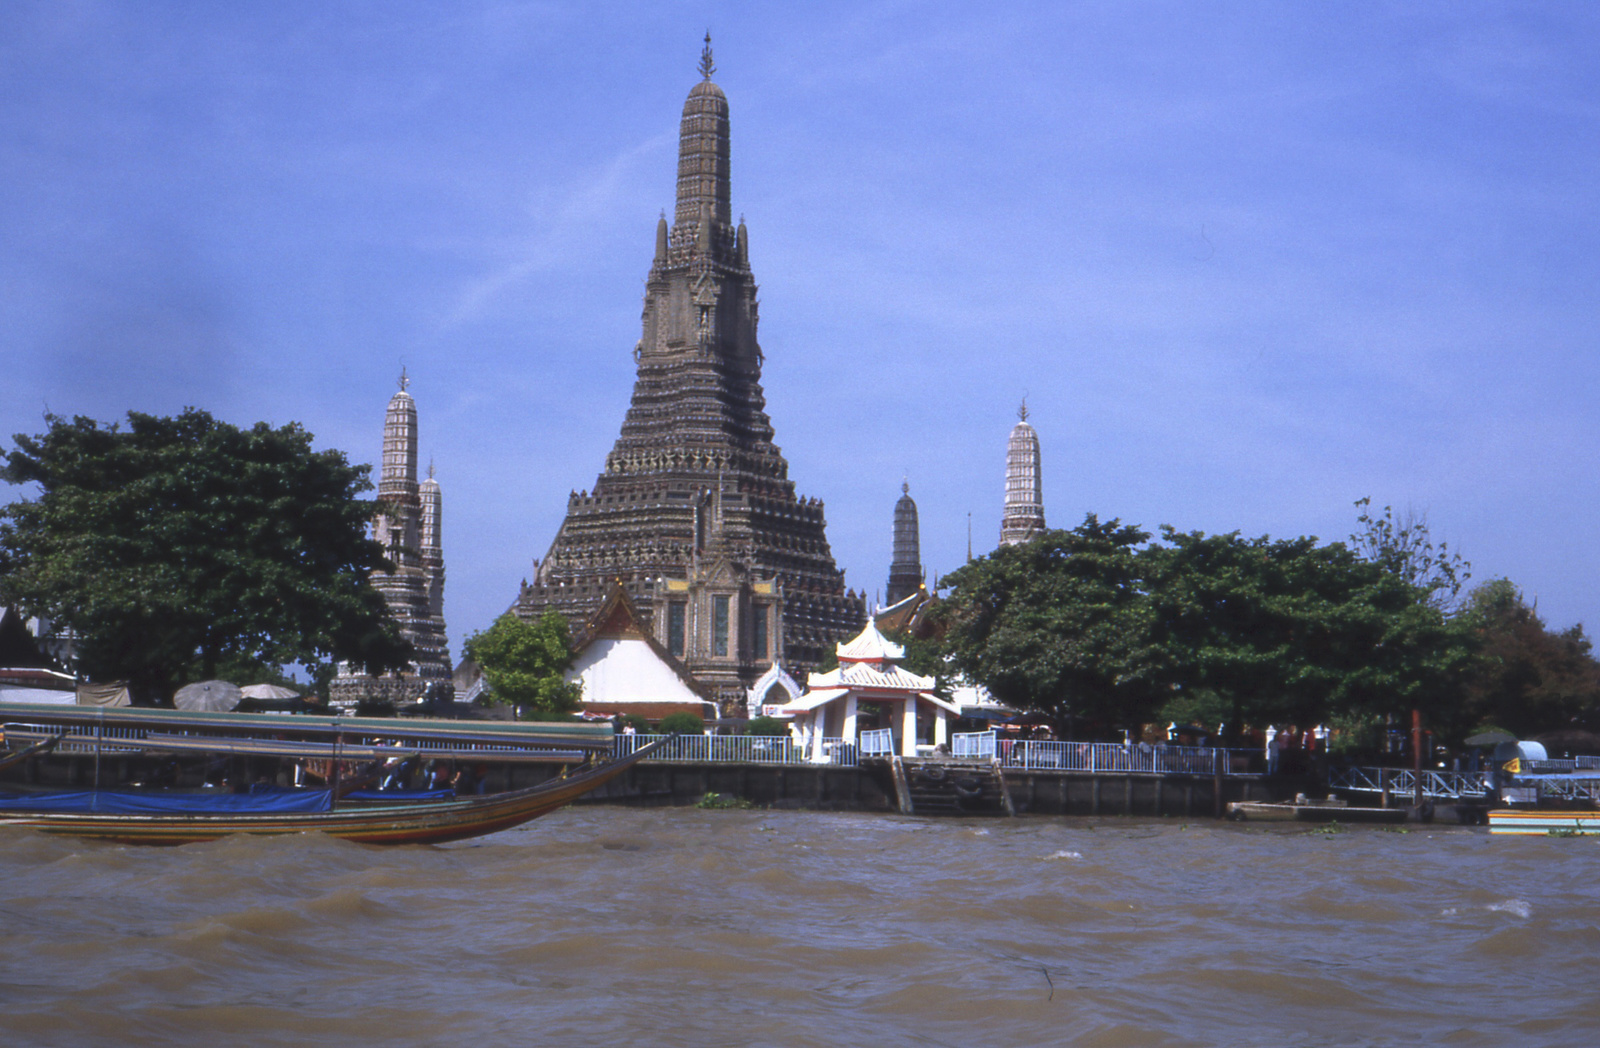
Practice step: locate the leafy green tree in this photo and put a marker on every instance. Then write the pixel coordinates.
(683, 722)
(1527, 678)
(176, 546)
(1261, 631)
(1404, 545)
(766, 726)
(525, 664)
(1057, 625)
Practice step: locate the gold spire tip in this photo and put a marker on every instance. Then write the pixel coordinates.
(707, 67)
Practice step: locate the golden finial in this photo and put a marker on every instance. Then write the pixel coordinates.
(707, 67)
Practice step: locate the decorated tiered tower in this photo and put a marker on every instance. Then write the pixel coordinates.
(695, 514)
(905, 567)
(407, 523)
(1023, 517)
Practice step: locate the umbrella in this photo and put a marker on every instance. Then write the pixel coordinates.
(268, 691)
(1490, 738)
(208, 696)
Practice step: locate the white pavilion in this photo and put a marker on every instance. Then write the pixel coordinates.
(869, 673)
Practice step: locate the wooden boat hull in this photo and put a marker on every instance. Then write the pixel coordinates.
(1527, 823)
(1266, 811)
(429, 823)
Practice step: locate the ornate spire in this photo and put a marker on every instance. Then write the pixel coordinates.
(702, 156)
(405, 382)
(905, 566)
(1022, 412)
(1023, 517)
(707, 67)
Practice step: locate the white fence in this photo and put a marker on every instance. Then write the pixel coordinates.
(878, 743)
(1143, 757)
(972, 744)
(737, 749)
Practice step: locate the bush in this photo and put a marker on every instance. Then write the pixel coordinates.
(715, 801)
(684, 723)
(766, 726)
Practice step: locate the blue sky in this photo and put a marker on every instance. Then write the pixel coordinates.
(1248, 262)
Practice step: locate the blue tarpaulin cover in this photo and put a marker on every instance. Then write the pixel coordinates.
(113, 802)
(409, 796)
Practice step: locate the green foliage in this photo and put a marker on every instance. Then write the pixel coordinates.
(525, 664)
(1099, 627)
(723, 802)
(1528, 678)
(1056, 625)
(1292, 631)
(637, 723)
(924, 656)
(176, 546)
(766, 726)
(1405, 547)
(684, 722)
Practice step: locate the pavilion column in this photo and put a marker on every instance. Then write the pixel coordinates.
(819, 722)
(908, 728)
(941, 726)
(849, 732)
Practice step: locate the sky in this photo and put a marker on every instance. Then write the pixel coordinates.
(1248, 263)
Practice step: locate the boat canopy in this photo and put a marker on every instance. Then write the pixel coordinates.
(118, 802)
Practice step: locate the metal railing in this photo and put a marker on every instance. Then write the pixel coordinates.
(737, 749)
(1144, 758)
(972, 744)
(1402, 782)
(878, 743)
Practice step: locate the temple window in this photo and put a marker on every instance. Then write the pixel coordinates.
(675, 621)
(719, 625)
(758, 631)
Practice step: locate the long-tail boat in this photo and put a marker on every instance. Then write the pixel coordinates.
(131, 817)
(331, 743)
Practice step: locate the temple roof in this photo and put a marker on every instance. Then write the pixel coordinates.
(869, 646)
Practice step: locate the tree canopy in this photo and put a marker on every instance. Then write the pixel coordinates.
(1098, 625)
(1527, 678)
(525, 663)
(1058, 624)
(175, 546)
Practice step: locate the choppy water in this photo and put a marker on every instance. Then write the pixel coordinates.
(610, 926)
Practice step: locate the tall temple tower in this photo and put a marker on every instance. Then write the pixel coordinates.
(1023, 517)
(695, 514)
(407, 523)
(905, 567)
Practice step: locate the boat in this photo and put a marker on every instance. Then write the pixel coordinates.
(1302, 809)
(1529, 822)
(134, 817)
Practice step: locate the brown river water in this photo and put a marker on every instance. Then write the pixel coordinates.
(612, 926)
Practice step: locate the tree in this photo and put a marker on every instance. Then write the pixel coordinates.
(1264, 631)
(1527, 678)
(1056, 625)
(1405, 547)
(525, 664)
(684, 723)
(178, 545)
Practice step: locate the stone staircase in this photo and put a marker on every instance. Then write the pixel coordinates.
(948, 786)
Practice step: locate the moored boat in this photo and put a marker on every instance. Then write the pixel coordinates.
(133, 818)
(1535, 822)
(1302, 810)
